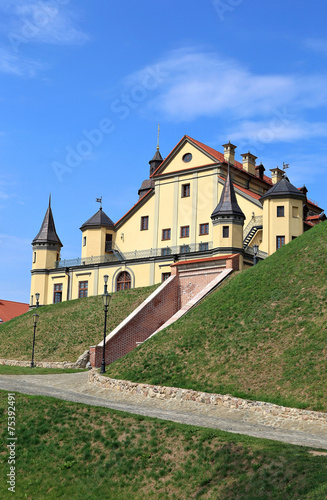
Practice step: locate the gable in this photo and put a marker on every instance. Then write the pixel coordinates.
(176, 161)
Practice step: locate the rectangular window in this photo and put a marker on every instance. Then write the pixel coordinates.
(84, 241)
(165, 251)
(225, 231)
(185, 249)
(165, 234)
(57, 293)
(185, 231)
(144, 223)
(165, 276)
(280, 241)
(82, 289)
(186, 190)
(108, 242)
(204, 229)
(295, 212)
(294, 238)
(203, 247)
(34, 257)
(280, 211)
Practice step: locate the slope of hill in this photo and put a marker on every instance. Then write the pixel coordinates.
(262, 335)
(66, 330)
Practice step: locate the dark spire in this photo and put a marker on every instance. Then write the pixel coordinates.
(156, 161)
(47, 233)
(283, 189)
(100, 219)
(228, 205)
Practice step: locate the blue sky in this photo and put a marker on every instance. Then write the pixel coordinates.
(84, 85)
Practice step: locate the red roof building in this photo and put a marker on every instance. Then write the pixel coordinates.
(9, 310)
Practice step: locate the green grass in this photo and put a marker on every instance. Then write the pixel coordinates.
(66, 330)
(22, 370)
(262, 335)
(73, 451)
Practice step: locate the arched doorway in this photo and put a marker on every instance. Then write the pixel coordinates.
(124, 281)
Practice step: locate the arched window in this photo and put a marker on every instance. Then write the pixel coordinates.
(123, 281)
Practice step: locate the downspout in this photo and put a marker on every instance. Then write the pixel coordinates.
(68, 281)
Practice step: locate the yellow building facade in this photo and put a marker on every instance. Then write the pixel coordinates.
(196, 203)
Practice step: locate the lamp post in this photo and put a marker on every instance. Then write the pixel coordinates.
(37, 296)
(106, 301)
(255, 253)
(35, 318)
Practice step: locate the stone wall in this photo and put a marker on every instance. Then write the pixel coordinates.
(40, 364)
(162, 392)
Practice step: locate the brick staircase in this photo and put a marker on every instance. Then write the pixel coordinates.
(189, 283)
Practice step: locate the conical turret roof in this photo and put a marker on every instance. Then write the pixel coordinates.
(100, 219)
(283, 189)
(228, 204)
(156, 161)
(47, 233)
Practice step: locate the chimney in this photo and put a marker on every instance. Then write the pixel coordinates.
(259, 170)
(229, 153)
(303, 190)
(276, 174)
(249, 162)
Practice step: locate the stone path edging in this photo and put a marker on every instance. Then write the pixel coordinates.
(40, 364)
(227, 401)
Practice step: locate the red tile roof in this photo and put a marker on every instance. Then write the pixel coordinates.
(313, 217)
(215, 154)
(247, 191)
(220, 157)
(9, 309)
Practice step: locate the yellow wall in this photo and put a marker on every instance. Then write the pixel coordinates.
(129, 236)
(45, 258)
(274, 226)
(198, 159)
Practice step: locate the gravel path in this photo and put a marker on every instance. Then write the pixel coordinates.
(75, 387)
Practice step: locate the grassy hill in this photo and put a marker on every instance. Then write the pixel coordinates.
(73, 451)
(66, 330)
(262, 335)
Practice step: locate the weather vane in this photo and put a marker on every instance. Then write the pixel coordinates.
(286, 166)
(99, 200)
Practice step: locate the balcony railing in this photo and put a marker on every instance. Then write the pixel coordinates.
(260, 254)
(117, 255)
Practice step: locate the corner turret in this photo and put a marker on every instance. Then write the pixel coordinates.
(46, 252)
(228, 221)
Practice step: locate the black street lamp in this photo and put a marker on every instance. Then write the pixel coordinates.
(35, 318)
(255, 254)
(106, 301)
(37, 296)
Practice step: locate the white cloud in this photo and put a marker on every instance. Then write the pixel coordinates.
(18, 65)
(34, 22)
(44, 22)
(202, 84)
(279, 128)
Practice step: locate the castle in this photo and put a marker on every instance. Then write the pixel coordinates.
(196, 204)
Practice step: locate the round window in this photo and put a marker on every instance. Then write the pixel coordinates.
(187, 157)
